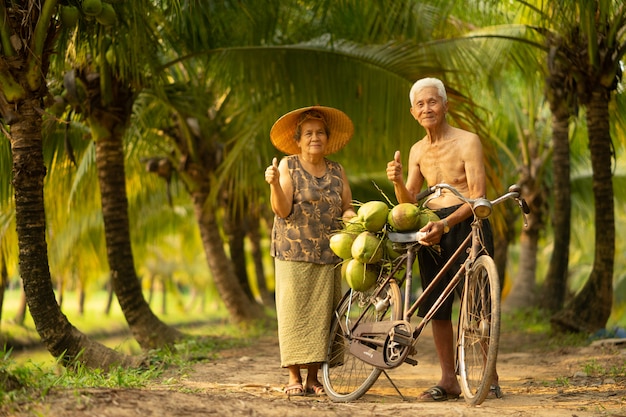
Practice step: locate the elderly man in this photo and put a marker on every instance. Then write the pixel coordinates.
(445, 155)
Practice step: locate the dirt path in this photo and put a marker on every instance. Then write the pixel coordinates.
(248, 382)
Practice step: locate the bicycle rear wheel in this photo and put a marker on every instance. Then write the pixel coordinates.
(479, 330)
(345, 377)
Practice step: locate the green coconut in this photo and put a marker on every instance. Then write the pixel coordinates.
(107, 15)
(341, 244)
(373, 214)
(390, 252)
(426, 215)
(367, 248)
(69, 15)
(344, 268)
(404, 217)
(91, 7)
(354, 225)
(360, 276)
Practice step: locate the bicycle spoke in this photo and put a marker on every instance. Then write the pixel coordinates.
(479, 330)
(346, 377)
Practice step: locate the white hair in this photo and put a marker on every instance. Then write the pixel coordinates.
(426, 83)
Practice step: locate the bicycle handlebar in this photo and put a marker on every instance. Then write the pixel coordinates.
(428, 191)
(514, 193)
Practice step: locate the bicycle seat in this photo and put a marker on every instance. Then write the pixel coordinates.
(405, 237)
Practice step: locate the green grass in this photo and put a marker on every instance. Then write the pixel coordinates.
(614, 369)
(36, 371)
(210, 319)
(35, 380)
(534, 325)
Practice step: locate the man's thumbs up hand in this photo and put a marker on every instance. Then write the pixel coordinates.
(394, 168)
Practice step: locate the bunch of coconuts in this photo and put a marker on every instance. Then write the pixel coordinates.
(100, 10)
(363, 244)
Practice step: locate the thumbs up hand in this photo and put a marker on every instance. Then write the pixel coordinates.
(271, 173)
(394, 168)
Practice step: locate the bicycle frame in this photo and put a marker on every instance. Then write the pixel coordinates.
(397, 334)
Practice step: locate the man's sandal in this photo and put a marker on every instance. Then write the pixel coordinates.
(437, 394)
(494, 392)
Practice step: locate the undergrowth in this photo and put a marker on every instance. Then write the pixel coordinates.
(536, 324)
(26, 382)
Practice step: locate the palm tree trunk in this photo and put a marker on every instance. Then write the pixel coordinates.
(522, 294)
(20, 314)
(555, 285)
(523, 291)
(109, 304)
(256, 250)
(503, 234)
(146, 328)
(60, 291)
(81, 298)
(164, 289)
(235, 227)
(590, 309)
(59, 336)
(239, 305)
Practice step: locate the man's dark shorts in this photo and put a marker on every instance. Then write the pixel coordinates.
(430, 262)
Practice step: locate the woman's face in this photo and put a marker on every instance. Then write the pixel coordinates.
(428, 108)
(313, 139)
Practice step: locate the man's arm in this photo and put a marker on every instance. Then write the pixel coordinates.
(475, 168)
(406, 193)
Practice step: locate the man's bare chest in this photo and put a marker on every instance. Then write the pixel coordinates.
(435, 155)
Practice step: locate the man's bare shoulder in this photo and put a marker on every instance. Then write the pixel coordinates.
(465, 134)
(467, 141)
(419, 145)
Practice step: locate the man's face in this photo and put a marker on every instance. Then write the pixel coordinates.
(428, 108)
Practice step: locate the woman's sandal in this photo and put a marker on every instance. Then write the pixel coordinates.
(294, 390)
(316, 390)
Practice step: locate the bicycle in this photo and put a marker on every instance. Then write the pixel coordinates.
(371, 331)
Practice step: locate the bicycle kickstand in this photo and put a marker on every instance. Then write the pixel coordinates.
(394, 385)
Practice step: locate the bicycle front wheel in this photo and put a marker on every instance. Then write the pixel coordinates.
(479, 330)
(345, 377)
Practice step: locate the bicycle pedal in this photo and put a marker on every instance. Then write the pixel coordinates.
(401, 338)
(410, 361)
(400, 331)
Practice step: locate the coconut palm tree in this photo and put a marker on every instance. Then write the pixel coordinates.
(584, 44)
(589, 42)
(563, 107)
(27, 38)
(101, 88)
(524, 143)
(195, 140)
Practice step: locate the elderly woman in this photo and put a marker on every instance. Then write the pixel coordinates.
(310, 196)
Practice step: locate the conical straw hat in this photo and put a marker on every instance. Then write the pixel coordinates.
(338, 123)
